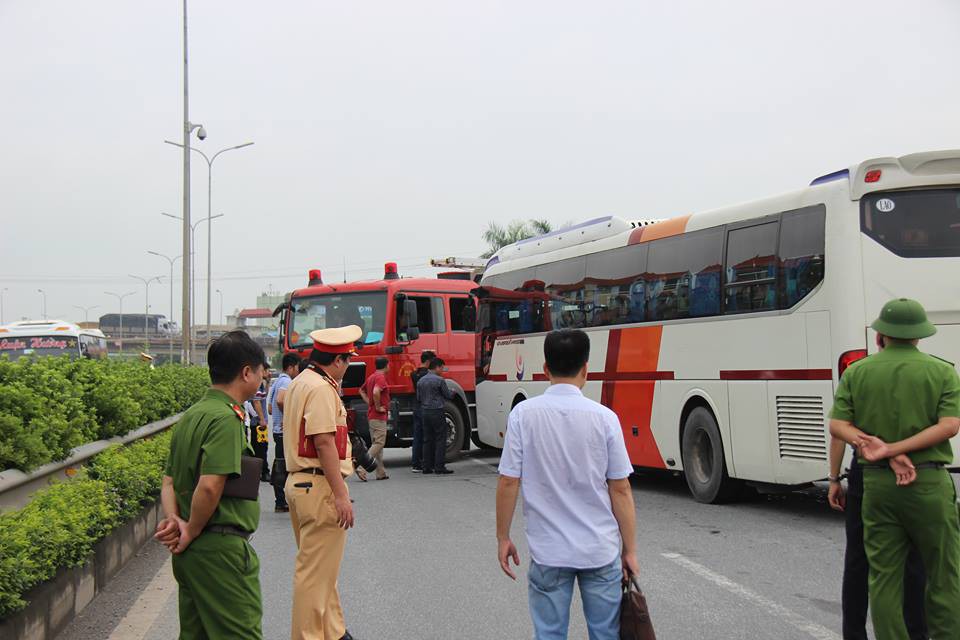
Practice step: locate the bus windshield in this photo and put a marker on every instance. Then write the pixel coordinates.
(15, 347)
(367, 309)
(914, 224)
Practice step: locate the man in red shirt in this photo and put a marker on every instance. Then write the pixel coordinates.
(376, 394)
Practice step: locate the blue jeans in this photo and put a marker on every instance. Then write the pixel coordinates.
(551, 589)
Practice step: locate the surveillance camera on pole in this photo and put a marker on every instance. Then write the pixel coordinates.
(202, 133)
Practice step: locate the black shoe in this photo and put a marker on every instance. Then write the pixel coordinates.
(346, 636)
(281, 508)
(427, 471)
(443, 472)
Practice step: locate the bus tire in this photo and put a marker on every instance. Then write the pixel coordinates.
(704, 466)
(456, 436)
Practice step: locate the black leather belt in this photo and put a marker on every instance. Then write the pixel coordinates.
(228, 529)
(317, 471)
(919, 465)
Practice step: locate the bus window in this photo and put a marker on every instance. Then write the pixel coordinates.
(751, 269)
(683, 278)
(615, 285)
(563, 282)
(914, 224)
(801, 253)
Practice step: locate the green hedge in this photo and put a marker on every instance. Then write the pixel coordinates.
(63, 522)
(48, 406)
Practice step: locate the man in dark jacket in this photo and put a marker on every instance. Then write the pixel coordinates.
(417, 461)
(432, 393)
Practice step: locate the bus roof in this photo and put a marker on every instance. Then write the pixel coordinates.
(39, 327)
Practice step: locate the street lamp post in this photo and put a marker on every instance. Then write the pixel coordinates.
(188, 128)
(146, 308)
(171, 261)
(43, 304)
(210, 210)
(86, 311)
(1, 302)
(191, 270)
(120, 298)
(220, 315)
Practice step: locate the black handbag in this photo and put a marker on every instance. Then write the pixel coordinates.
(247, 485)
(635, 621)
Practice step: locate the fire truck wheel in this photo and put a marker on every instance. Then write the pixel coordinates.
(703, 463)
(457, 431)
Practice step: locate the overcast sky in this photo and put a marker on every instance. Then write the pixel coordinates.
(389, 130)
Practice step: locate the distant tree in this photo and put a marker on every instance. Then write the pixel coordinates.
(497, 236)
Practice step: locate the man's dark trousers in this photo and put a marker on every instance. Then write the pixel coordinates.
(417, 454)
(434, 440)
(278, 478)
(856, 570)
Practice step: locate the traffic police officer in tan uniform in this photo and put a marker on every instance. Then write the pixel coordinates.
(318, 456)
(900, 407)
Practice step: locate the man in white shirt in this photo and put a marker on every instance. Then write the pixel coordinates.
(566, 453)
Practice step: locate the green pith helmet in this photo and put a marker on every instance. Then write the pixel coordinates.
(905, 319)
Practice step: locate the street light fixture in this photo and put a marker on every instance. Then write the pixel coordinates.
(43, 304)
(192, 271)
(86, 311)
(210, 216)
(120, 298)
(171, 261)
(146, 307)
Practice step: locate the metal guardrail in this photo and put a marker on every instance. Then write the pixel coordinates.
(16, 487)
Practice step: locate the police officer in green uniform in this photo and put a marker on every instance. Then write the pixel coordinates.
(900, 407)
(217, 570)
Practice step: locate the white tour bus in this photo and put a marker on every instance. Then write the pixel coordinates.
(718, 338)
(51, 338)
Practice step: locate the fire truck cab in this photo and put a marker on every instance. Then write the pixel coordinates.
(401, 318)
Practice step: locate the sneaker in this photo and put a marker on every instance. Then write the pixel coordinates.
(443, 472)
(416, 470)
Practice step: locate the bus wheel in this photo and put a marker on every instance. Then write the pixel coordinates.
(703, 463)
(456, 432)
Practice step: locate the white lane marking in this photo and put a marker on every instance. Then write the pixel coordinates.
(485, 464)
(148, 606)
(790, 617)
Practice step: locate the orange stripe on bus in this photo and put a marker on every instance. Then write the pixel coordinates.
(634, 351)
(665, 229)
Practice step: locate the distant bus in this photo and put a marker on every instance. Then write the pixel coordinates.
(50, 338)
(719, 337)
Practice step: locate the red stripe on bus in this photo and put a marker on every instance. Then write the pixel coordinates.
(778, 374)
(632, 375)
(609, 367)
(497, 377)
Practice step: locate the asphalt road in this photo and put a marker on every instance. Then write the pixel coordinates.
(421, 564)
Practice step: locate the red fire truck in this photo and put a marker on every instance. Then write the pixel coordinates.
(401, 318)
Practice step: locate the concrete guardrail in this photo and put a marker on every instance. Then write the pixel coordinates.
(16, 487)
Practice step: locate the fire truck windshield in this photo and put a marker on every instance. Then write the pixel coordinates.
(365, 309)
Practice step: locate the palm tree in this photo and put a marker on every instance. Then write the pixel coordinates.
(497, 236)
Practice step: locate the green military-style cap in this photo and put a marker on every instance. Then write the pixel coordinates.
(905, 319)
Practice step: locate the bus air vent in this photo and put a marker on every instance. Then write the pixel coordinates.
(800, 428)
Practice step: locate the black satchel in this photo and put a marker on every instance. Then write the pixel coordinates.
(635, 621)
(247, 485)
